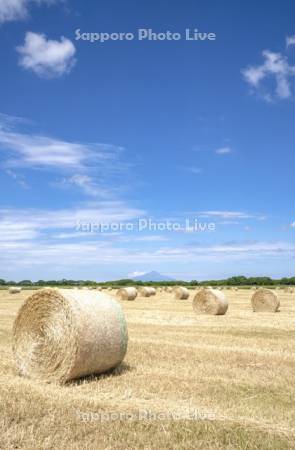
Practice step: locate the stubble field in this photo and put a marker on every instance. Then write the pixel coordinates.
(187, 382)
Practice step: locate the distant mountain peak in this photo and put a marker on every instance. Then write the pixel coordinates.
(152, 276)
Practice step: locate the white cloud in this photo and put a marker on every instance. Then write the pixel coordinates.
(151, 238)
(194, 170)
(136, 274)
(37, 151)
(95, 213)
(29, 239)
(77, 162)
(227, 214)
(29, 234)
(41, 151)
(290, 40)
(88, 185)
(18, 178)
(223, 151)
(11, 10)
(47, 58)
(11, 231)
(275, 65)
(57, 255)
(8, 122)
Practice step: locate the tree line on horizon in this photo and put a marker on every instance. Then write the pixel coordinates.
(233, 281)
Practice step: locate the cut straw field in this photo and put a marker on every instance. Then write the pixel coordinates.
(188, 381)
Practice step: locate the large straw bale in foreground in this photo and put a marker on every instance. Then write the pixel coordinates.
(210, 301)
(128, 293)
(60, 335)
(14, 290)
(265, 300)
(181, 293)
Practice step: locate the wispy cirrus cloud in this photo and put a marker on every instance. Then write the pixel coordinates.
(231, 215)
(41, 239)
(20, 179)
(77, 162)
(275, 65)
(38, 221)
(193, 169)
(51, 253)
(224, 150)
(87, 184)
(36, 151)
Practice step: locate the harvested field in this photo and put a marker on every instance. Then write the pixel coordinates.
(187, 381)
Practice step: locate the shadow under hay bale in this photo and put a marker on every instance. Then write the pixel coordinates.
(210, 301)
(114, 372)
(265, 300)
(60, 335)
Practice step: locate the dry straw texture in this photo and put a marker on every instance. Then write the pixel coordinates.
(61, 335)
(14, 290)
(128, 293)
(210, 301)
(181, 293)
(265, 300)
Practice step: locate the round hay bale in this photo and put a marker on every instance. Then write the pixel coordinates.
(210, 301)
(67, 334)
(181, 293)
(14, 290)
(147, 291)
(144, 291)
(265, 300)
(128, 293)
(169, 289)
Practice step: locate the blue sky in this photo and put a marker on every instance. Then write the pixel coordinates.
(124, 130)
